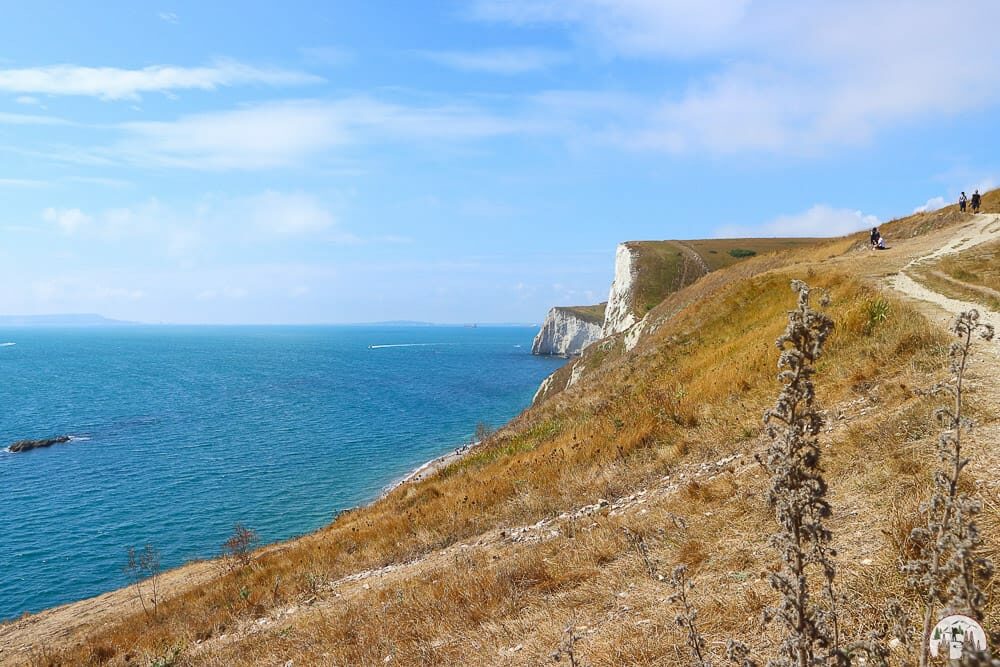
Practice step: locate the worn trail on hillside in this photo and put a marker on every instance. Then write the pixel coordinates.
(985, 367)
(986, 228)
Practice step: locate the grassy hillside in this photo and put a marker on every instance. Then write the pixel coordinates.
(719, 253)
(593, 314)
(559, 519)
(664, 267)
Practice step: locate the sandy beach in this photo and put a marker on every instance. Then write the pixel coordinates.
(427, 469)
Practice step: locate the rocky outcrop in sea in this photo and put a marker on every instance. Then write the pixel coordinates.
(28, 445)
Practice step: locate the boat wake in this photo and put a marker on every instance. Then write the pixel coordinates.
(7, 344)
(378, 347)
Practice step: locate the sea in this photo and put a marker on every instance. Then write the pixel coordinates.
(178, 433)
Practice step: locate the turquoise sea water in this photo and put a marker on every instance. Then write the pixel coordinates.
(183, 431)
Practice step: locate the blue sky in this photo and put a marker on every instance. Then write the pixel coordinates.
(348, 161)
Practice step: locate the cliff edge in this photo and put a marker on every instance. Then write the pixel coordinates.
(568, 330)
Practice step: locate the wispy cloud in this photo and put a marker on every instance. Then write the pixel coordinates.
(326, 55)
(285, 134)
(932, 204)
(100, 180)
(22, 183)
(631, 27)
(112, 83)
(497, 61)
(287, 214)
(214, 223)
(168, 17)
(30, 119)
(68, 220)
(819, 220)
(800, 80)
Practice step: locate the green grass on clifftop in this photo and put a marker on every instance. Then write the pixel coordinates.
(594, 314)
(664, 267)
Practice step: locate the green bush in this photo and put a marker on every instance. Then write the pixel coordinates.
(742, 252)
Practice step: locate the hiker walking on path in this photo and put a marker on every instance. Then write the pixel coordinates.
(976, 199)
(875, 236)
(962, 199)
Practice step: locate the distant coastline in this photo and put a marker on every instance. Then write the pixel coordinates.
(62, 320)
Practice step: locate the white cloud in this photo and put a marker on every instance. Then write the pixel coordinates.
(118, 294)
(287, 214)
(68, 219)
(326, 55)
(497, 61)
(27, 100)
(227, 293)
(30, 119)
(213, 225)
(287, 133)
(168, 17)
(21, 183)
(112, 83)
(100, 180)
(819, 221)
(633, 27)
(800, 79)
(273, 135)
(933, 204)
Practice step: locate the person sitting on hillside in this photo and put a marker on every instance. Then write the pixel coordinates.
(962, 199)
(880, 244)
(976, 199)
(875, 236)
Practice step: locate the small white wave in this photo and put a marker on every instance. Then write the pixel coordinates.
(7, 344)
(378, 347)
(79, 438)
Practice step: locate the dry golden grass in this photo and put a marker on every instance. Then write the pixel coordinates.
(691, 393)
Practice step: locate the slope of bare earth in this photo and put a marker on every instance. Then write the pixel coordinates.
(563, 518)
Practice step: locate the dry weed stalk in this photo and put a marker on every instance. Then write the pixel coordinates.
(947, 569)
(142, 565)
(798, 495)
(237, 551)
(680, 584)
(688, 617)
(567, 647)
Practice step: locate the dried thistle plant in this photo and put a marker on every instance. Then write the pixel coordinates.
(680, 585)
(738, 653)
(688, 616)
(798, 495)
(947, 570)
(567, 647)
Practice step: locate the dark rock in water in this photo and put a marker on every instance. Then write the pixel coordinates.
(27, 445)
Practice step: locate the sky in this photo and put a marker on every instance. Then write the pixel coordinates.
(478, 161)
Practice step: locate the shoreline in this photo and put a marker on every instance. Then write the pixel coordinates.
(198, 569)
(428, 468)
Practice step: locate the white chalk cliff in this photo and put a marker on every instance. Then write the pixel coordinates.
(565, 333)
(618, 315)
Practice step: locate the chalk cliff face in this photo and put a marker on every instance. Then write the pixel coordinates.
(566, 332)
(619, 315)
